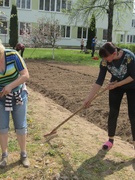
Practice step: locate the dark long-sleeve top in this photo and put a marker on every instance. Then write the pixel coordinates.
(119, 69)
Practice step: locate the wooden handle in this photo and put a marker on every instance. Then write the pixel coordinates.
(83, 107)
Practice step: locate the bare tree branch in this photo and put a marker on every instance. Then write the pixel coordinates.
(82, 10)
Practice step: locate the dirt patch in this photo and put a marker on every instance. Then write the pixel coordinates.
(68, 85)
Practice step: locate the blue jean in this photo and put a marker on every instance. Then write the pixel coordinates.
(18, 115)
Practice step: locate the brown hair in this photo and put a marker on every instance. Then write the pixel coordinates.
(107, 49)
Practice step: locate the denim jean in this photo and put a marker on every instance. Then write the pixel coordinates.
(18, 115)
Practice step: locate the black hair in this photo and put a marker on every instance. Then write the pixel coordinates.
(107, 49)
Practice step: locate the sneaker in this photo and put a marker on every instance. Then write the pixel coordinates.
(3, 162)
(25, 161)
(107, 145)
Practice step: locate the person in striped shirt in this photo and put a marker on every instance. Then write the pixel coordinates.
(13, 99)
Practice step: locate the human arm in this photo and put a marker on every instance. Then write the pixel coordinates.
(24, 76)
(98, 84)
(114, 85)
(95, 89)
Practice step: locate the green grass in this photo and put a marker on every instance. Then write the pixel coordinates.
(73, 56)
(12, 145)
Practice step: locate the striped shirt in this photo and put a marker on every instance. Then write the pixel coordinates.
(13, 65)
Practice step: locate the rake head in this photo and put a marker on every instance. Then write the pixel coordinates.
(50, 134)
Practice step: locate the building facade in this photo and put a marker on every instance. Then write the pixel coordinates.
(29, 11)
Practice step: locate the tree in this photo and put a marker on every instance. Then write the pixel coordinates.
(85, 8)
(3, 25)
(91, 32)
(46, 32)
(13, 29)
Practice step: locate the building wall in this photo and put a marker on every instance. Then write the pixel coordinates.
(32, 15)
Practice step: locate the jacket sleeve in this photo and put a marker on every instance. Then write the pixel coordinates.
(102, 73)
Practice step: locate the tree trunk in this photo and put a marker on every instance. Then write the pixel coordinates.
(110, 20)
(53, 52)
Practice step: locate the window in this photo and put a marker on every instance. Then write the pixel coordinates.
(52, 5)
(133, 39)
(130, 38)
(3, 27)
(28, 4)
(82, 32)
(4, 3)
(25, 28)
(122, 38)
(133, 22)
(55, 5)
(41, 4)
(68, 31)
(47, 5)
(58, 5)
(105, 34)
(68, 5)
(63, 4)
(24, 4)
(127, 38)
(65, 31)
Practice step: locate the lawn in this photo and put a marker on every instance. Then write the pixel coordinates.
(74, 56)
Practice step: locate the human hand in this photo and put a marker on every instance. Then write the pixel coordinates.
(87, 103)
(6, 90)
(112, 85)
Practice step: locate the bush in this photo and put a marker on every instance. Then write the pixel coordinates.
(131, 47)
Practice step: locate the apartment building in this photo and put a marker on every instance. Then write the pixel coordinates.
(29, 11)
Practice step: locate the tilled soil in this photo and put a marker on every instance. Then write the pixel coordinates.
(68, 85)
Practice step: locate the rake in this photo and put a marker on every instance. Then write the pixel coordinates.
(54, 131)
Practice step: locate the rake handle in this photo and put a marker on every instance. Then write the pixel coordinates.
(63, 122)
(54, 130)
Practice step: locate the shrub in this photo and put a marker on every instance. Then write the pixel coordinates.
(131, 47)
